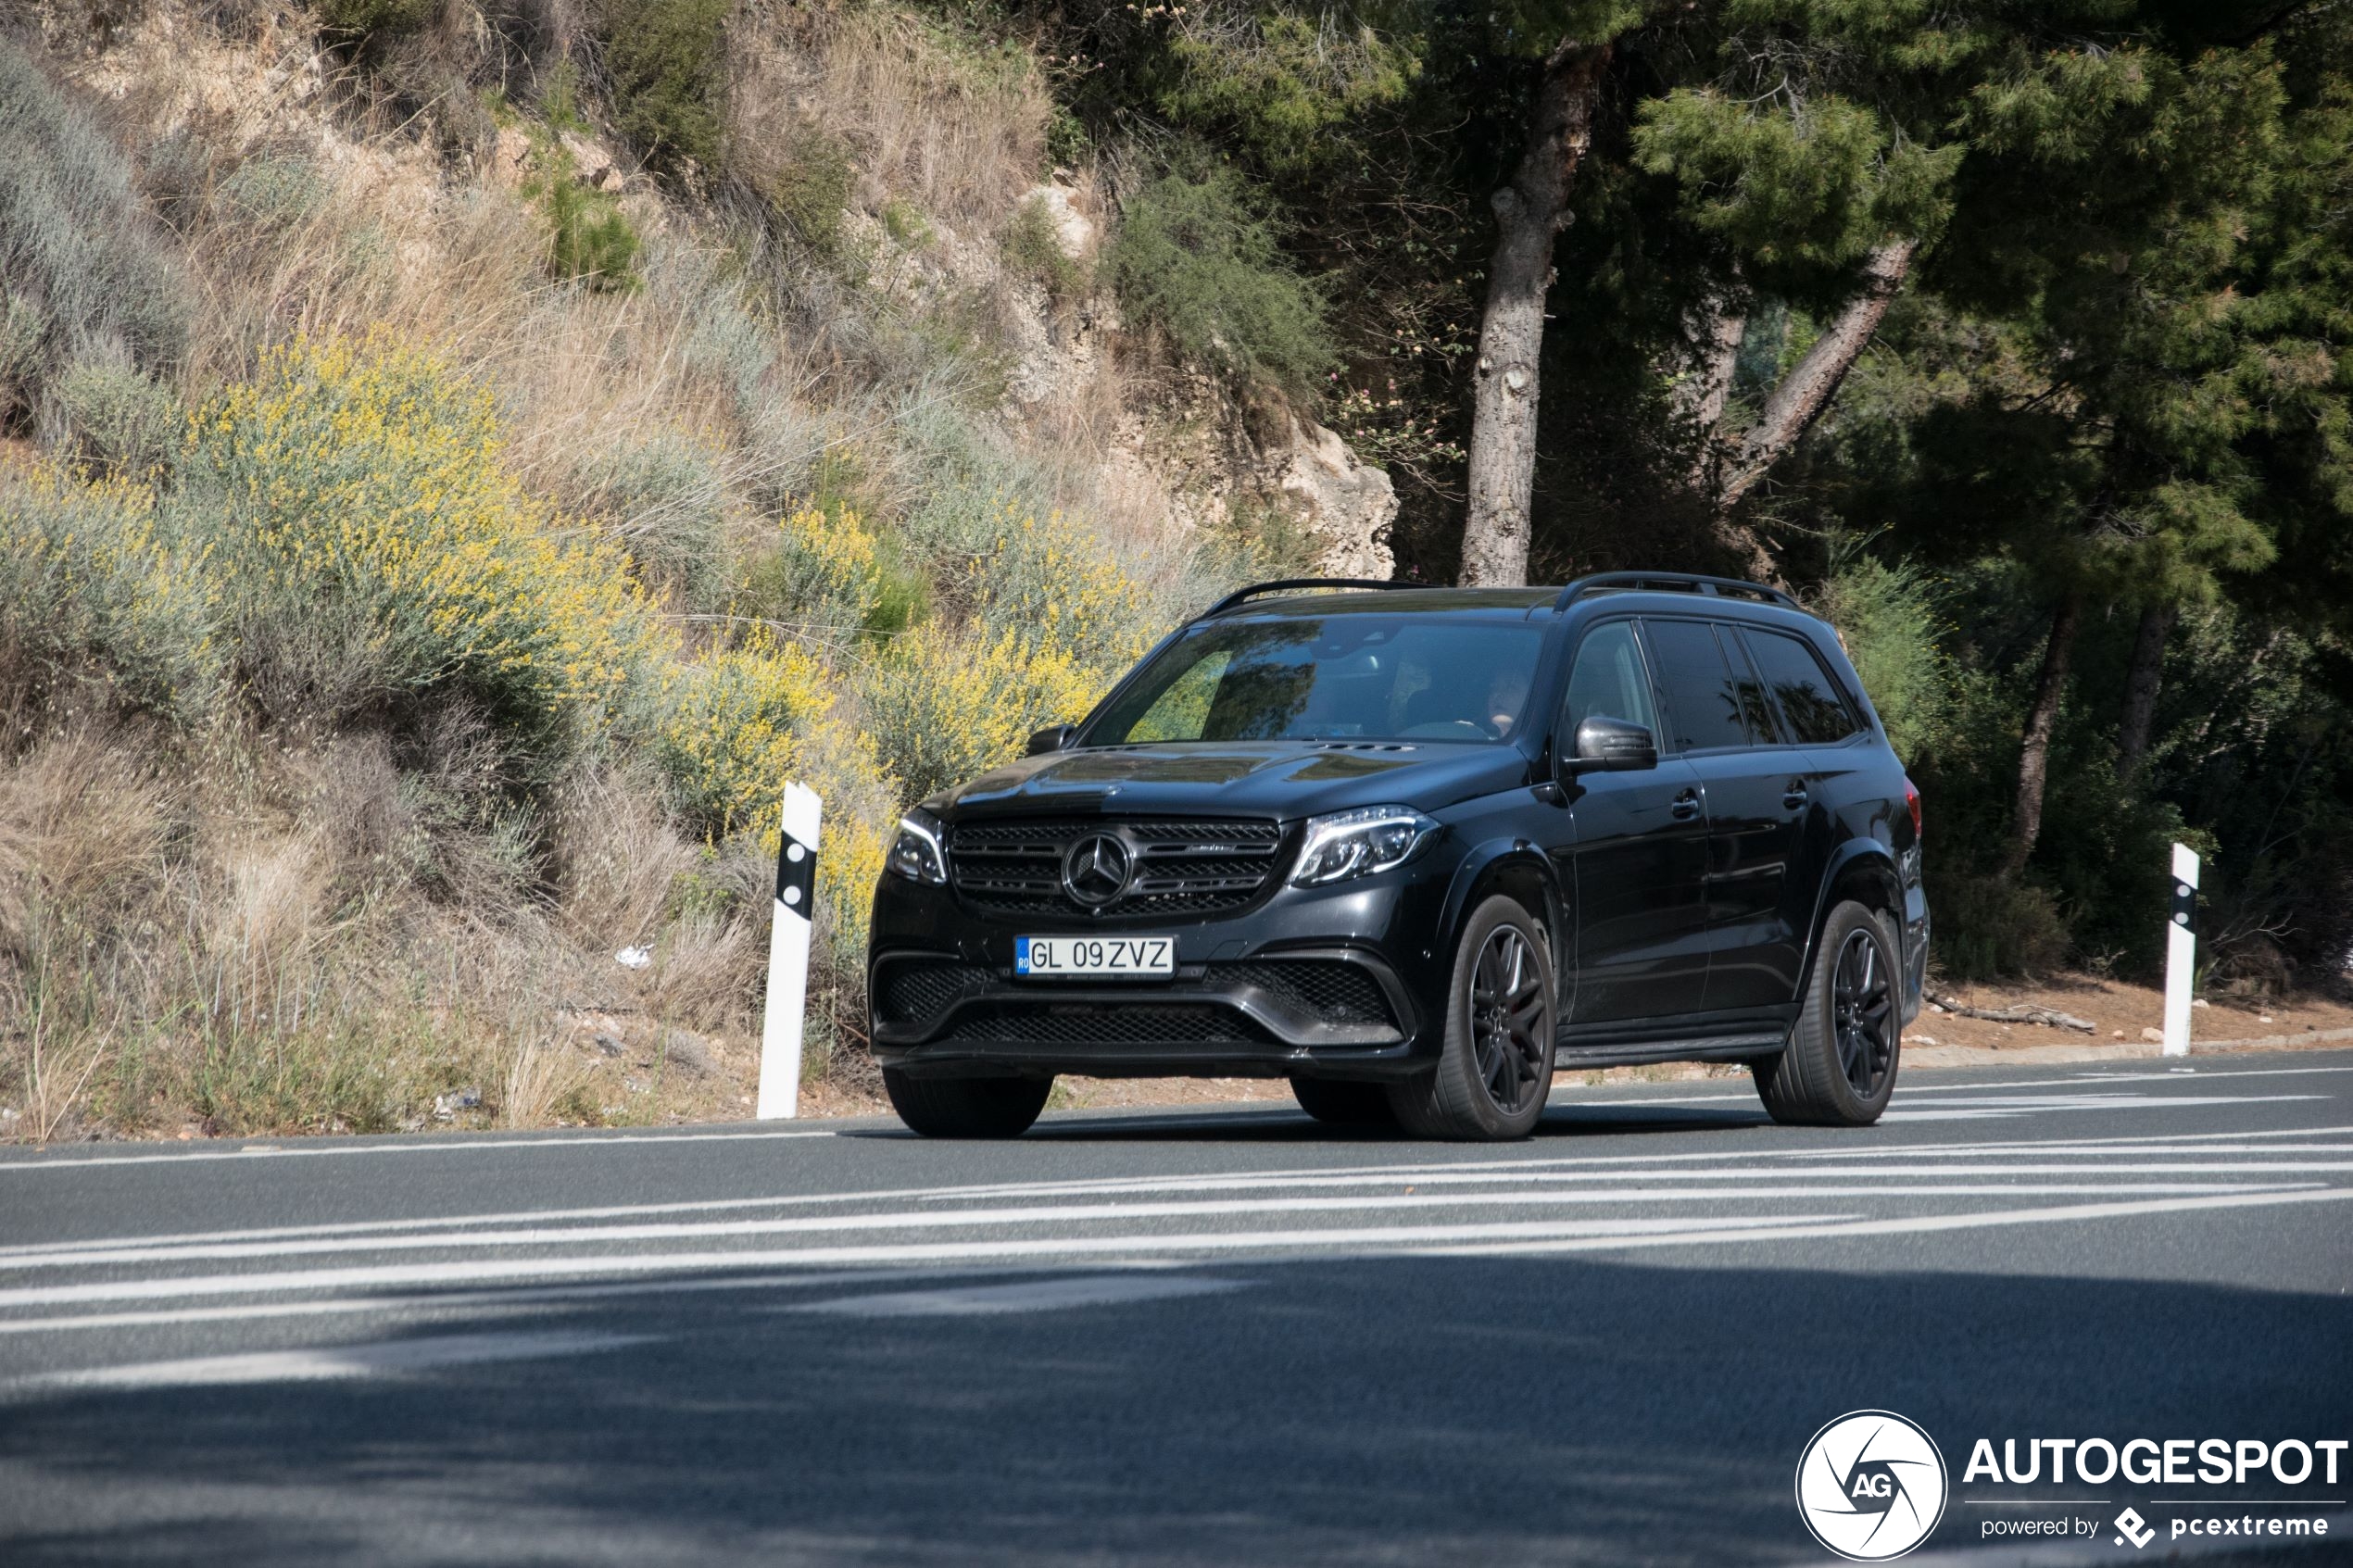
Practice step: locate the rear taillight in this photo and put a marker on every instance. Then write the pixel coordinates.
(1912, 799)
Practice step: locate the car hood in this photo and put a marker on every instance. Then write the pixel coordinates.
(1280, 779)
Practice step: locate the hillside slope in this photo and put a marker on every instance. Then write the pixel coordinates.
(461, 461)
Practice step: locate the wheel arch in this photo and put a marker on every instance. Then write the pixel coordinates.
(1863, 871)
(1520, 870)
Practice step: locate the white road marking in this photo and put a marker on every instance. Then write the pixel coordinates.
(438, 1143)
(386, 1358)
(1028, 1295)
(1948, 1183)
(1925, 1222)
(1376, 1238)
(473, 1304)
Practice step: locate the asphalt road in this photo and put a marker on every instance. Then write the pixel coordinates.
(1172, 1337)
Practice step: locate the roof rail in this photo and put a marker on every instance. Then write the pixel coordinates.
(1672, 581)
(1284, 584)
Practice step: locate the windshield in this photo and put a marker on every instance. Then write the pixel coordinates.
(1374, 677)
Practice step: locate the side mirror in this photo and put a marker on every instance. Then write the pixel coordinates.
(1612, 745)
(1053, 737)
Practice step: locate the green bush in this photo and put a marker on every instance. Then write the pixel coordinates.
(1891, 617)
(272, 192)
(589, 238)
(1198, 258)
(126, 422)
(1033, 249)
(668, 502)
(74, 244)
(809, 190)
(1992, 927)
(665, 61)
(23, 327)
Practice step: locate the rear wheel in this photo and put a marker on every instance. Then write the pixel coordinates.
(967, 1108)
(1339, 1103)
(1495, 1066)
(1839, 1069)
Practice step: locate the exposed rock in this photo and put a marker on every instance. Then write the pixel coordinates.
(510, 158)
(591, 164)
(1074, 234)
(1347, 504)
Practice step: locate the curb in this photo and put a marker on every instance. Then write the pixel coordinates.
(2124, 1050)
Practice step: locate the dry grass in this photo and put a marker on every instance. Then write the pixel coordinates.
(959, 136)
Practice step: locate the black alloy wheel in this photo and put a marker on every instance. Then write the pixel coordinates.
(1839, 1067)
(1862, 1008)
(1494, 1065)
(1511, 1019)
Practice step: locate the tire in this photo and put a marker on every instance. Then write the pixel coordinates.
(1495, 1065)
(1339, 1103)
(967, 1108)
(1839, 1067)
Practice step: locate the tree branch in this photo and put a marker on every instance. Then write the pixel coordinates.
(1803, 394)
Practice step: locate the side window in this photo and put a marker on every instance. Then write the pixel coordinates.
(1607, 682)
(1703, 707)
(1756, 709)
(1809, 700)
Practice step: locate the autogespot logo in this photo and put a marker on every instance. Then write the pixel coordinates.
(1870, 1486)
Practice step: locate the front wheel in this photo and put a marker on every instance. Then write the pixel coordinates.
(967, 1108)
(1495, 1066)
(1839, 1067)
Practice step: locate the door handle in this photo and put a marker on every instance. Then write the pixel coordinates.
(1686, 805)
(1796, 795)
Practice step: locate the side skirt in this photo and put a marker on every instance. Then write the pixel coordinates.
(1713, 1048)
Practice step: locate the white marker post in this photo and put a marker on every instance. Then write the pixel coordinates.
(2180, 951)
(788, 957)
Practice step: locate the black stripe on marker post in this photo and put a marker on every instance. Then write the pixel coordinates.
(796, 876)
(2185, 912)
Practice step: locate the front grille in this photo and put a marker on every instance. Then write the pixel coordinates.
(1181, 867)
(1335, 991)
(914, 990)
(1121, 1023)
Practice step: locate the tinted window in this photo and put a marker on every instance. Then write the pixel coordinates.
(1703, 706)
(1607, 681)
(1383, 677)
(1756, 710)
(1817, 714)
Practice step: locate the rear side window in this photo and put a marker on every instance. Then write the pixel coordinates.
(1703, 703)
(1809, 700)
(1607, 681)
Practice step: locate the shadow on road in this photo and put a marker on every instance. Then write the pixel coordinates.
(1452, 1411)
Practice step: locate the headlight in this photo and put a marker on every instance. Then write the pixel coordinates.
(1371, 838)
(917, 855)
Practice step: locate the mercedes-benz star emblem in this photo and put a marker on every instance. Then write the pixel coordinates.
(1096, 869)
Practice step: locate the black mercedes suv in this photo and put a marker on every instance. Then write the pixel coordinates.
(1413, 848)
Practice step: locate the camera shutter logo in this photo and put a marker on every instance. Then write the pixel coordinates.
(1872, 1485)
(1097, 869)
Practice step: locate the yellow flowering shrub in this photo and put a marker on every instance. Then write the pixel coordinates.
(358, 485)
(92, 574)
(728, 739)
(1065, 596)
(946, 705)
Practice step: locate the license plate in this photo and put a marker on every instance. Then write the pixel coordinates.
(1115, 958)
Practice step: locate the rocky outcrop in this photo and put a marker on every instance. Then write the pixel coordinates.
(1346, 504)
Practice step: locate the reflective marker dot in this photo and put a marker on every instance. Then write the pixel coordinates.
(795, 852)
(792, 895)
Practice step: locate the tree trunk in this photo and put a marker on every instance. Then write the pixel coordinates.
(2140, 689)
(1528, 213)
(1717, 329)
(1803, 394)
(2034, 756)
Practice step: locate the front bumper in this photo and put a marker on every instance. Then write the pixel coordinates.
(1312, 982)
